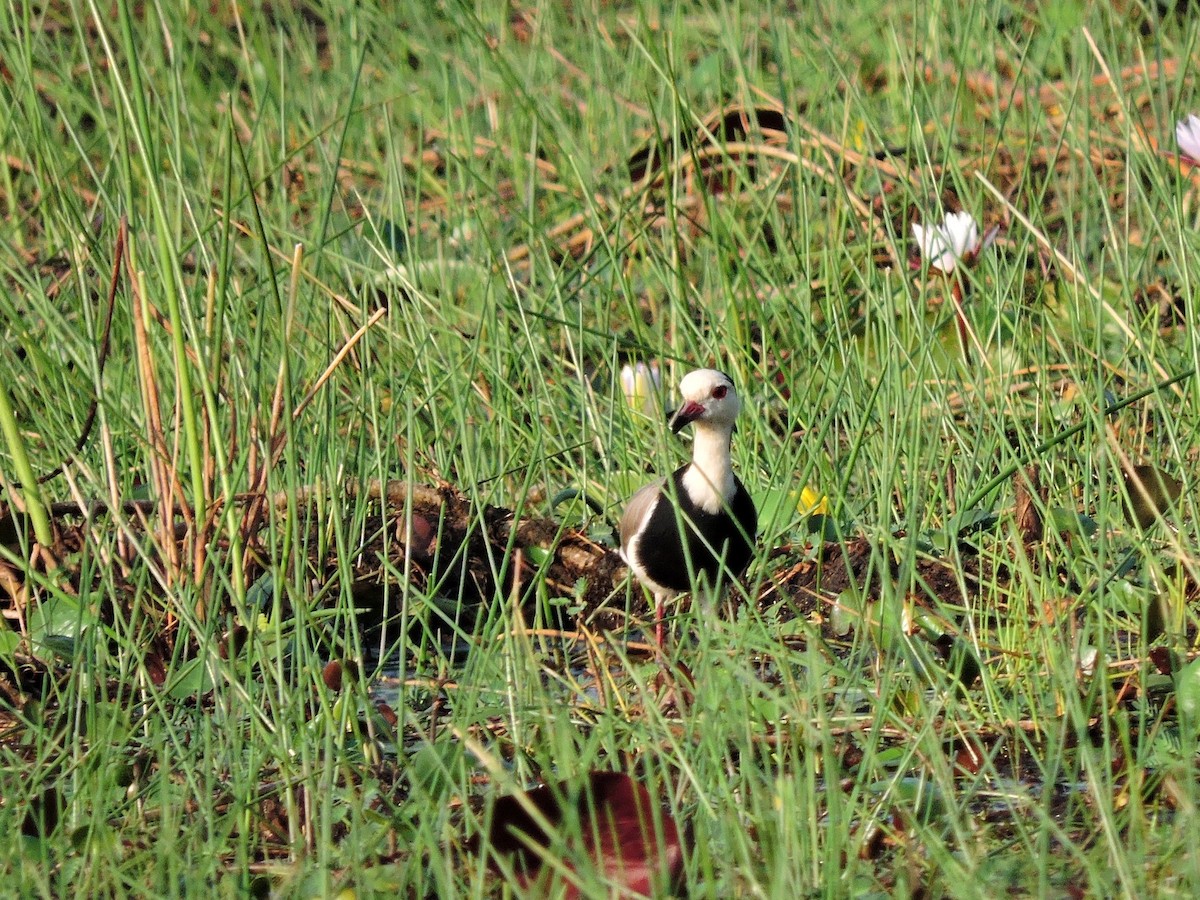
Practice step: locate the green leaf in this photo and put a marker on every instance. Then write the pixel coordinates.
(262, 593)
(1070, 521)
(917, 798)
(56, 624)
(970, 521)
(777, 509)
(193, 678)
(436, 766)
(9, 642)
(1187, 696)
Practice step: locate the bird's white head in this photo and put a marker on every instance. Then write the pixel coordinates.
(708, 396)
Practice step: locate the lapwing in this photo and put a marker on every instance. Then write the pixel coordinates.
(680, 531)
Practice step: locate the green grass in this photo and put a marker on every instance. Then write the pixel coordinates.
(443, 191)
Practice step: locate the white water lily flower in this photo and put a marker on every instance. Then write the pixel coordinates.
(944, 245)
(1187, 136)
(641, 383)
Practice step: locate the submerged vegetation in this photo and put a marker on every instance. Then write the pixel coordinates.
(315, 431)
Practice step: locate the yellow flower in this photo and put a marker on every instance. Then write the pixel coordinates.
(812, 503)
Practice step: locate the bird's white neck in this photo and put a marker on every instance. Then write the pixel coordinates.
(709, 480)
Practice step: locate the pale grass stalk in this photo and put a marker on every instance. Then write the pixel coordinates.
(161, 473)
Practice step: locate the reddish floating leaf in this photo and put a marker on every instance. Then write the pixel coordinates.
(1163, 659)
(337, 672)
(419, 535)
(969, 756)
(156, 666)
(387, 714)
(332, 675)
(620, 834)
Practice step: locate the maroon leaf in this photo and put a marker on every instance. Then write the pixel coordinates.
(969, 755)
(419, 535)
(623, 831)
(156, 666)
(337, 673)
(332, 675)
(388, 714)
(1163, 660)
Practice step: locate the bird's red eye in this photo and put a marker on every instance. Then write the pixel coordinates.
(720, 391)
